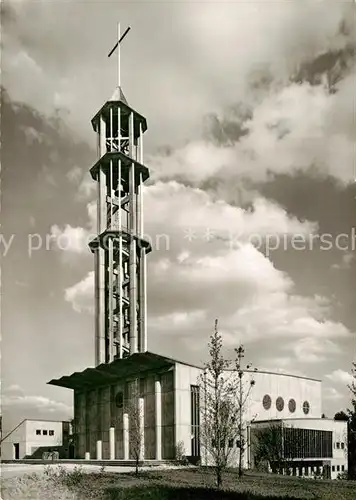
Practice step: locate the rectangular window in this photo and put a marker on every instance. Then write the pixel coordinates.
(142, 387)
(343, 468)
(44, 432)
(338, 468)
(342, 446)
(51, 433)
(195, 419)
(231, 443)
(338, 446)
(333, 468)
(38, 432)
(307, 443)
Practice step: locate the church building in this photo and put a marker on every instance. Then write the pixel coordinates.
(164, 390)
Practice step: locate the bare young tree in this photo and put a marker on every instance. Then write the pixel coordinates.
(221, 408)
(352, 426)
(136, 437)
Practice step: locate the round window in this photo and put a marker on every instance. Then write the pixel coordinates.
(306, 407)
(267, 402)
(279, 404)
(292, 405)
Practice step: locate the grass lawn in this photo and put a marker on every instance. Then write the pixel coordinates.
(173, 484)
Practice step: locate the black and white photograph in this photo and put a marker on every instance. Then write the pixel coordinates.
(178, 249)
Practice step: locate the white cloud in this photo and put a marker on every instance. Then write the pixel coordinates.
(332, 394)
(179, 320)
(346, 261)
(189, 279)
(75, 174)
(314, 350)
(292, 128)
(70, 239)
(39, 403)
(340, 377)
(172, 206)
(87, 187)
(81, 295)
(13, 388)
(15, 399)
(176, 213)
(223, 44)
(253, 299)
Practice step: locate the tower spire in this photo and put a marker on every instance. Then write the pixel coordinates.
(120, 247)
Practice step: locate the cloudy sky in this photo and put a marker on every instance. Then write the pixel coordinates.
(251, 202)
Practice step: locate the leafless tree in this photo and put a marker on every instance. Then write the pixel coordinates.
(136, 437)
(221, 426)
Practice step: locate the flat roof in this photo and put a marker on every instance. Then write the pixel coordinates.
(126, 367)
(110, 372)
(285, 375)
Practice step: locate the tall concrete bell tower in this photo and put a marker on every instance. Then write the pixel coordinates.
(119, 248)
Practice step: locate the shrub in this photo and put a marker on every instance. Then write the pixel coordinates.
(180, 453)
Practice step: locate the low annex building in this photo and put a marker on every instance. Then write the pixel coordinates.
(33, 438)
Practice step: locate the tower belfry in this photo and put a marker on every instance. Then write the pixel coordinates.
(120, 248)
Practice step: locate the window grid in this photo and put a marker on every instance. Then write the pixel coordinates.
(195, 419)
(307, 443)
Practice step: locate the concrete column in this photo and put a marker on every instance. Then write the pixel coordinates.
(126, 435)
(112, 443)
(133, 246)
(99, 449)
(143, 301)
(99, 256)
(158, 419)
(87, 455)
(141, 409)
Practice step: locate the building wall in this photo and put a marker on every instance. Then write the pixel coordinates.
(34, 441)
(97, 410)
(185, 376)
(17, 436)
(29, 441)
(287, 387)
(339, 460)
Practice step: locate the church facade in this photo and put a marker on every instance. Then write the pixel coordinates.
(164, 390)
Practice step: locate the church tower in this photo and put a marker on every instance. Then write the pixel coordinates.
(119, 248)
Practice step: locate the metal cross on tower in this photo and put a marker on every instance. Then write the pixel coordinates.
(119, 249)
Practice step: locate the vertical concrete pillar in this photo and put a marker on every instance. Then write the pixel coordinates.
(99, 256)
(99, 449)
(112, 443)
(143, 301)
(158, 419)
(133, 246)
(141, 409)
(126, 435)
